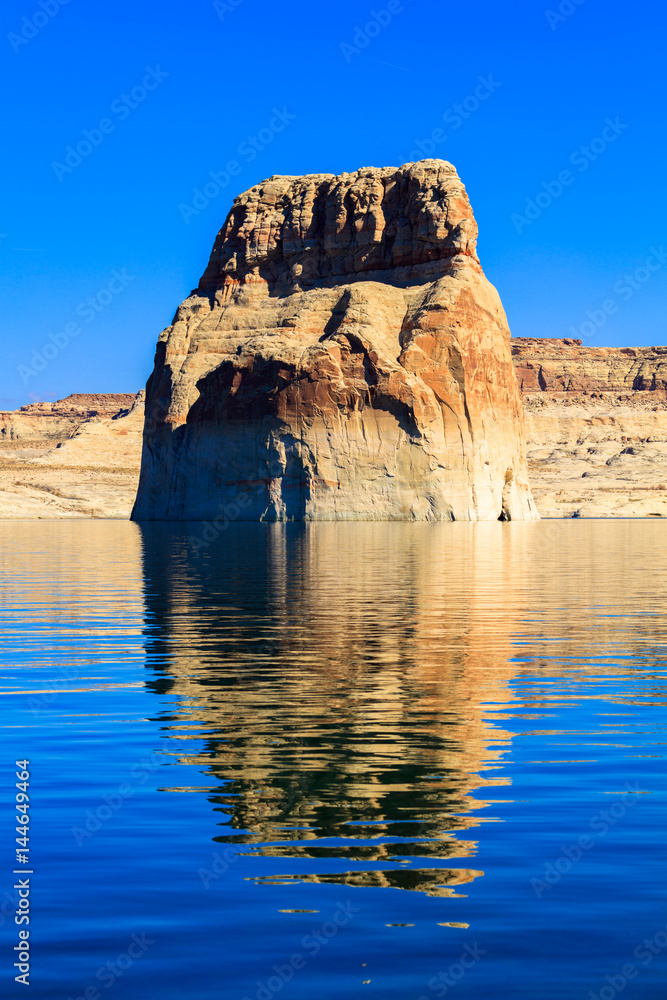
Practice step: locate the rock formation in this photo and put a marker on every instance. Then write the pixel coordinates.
(78, 457)
(596, 427)
(45, 423)
(343, 358)
(596, 424)
(552, 366)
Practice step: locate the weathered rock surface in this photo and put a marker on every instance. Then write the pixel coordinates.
(343, 358)
(596, 423)
(599, 452)
(549, 365)
(65, 459)
(45, 423)
(83, 405)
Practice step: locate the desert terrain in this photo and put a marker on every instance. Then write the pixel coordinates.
(78, 457)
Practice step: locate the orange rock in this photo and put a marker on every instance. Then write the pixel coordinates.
(343, 358)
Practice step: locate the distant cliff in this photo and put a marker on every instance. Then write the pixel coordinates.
(48, 422)
(77, 457)
(343, 358)
(549, 365)
(596, 424)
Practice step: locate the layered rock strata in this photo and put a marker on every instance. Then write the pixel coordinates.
(46, 423)
(596, 423)
(552, 366)
(343, 358)
(78, 457)
(84, 405)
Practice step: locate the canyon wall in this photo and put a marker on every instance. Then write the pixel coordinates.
(596, 424)
(77, 457)
(552, 366)
(49, 423)
(343, 358)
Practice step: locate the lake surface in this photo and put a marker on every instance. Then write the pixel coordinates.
(400, 761)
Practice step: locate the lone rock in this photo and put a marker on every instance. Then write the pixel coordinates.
(343, 358)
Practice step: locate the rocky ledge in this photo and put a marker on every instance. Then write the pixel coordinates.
(343, 358)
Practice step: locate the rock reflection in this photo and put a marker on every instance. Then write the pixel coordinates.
(431, 881)
(343, 679)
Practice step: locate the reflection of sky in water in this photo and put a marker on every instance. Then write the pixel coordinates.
(304, 715)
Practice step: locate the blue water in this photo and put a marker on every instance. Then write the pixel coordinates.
(322, 761)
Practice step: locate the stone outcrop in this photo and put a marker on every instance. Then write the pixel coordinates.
(597, 447)
(343, 358)
(596, 424)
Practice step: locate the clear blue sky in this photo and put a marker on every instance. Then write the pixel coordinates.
(358, 100)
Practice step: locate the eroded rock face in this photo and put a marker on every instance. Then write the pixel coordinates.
(77, 457)
(43, 423)
(565, 366)
(596, 426)
(343, 358)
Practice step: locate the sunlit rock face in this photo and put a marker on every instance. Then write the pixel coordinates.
(343, 358)
(596, 427)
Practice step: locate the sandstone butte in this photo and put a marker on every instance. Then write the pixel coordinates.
(343, 358)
